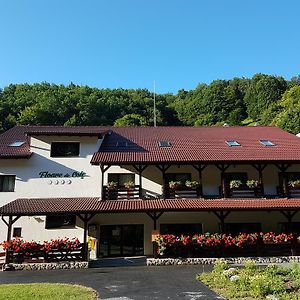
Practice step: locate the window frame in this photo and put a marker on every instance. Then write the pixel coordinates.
(167, 230)
(118, 175)
(64, 142)
(2, 183)
(60, 224)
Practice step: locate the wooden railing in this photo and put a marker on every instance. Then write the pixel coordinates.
(121, 193)
(54, 255)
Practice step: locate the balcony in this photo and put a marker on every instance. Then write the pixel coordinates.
(121, 193)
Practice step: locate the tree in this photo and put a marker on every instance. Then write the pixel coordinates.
(262, 92)
(288, 111)
(131, 120)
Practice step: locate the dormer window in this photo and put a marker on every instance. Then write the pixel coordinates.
(267, 143)
(233, 143)
(65, 149)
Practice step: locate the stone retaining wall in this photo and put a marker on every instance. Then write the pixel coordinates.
(46, 266)
(229, 260)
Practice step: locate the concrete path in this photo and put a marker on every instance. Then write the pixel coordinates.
(123, 283)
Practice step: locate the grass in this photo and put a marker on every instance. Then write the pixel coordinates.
(49, 291)
(251, 282)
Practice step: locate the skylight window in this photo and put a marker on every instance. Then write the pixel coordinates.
(233, 143)
(17, 144)
(164, 144)
(267, 143)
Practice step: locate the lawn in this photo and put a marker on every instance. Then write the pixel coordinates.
(252, 282)
(49, 291)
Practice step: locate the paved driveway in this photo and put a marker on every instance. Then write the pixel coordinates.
(122, 283)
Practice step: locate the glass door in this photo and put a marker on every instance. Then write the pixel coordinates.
(121, 240)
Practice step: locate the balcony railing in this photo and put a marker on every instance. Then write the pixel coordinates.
(121, 193)
(181, 193)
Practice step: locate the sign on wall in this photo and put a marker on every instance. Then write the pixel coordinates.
(75, 174)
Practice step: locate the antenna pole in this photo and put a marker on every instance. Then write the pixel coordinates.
(154, 105)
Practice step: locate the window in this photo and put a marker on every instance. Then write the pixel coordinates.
(17, 232)
(178, 229)
(236, 228)
(164, 144)
(243, 177)
(121, 178)
(287, 228)
(16, 144)
(7, 183)
(267, 143)
(182, 177)
(64, 149)
(233, 143)
(57, 221)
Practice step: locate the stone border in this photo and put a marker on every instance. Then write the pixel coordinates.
(46, 266)
(229, 260)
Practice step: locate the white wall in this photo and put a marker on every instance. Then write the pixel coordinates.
(29, 184)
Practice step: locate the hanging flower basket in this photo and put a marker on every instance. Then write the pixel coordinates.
(252, 183)
(295, 184)
(235, 184)
(192, 184)
(174, 185)
(112, 185)
(129, 185)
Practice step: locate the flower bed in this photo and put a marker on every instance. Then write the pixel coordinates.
(217, 245)
(53, 250)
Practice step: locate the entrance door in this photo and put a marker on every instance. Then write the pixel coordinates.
(121, 240)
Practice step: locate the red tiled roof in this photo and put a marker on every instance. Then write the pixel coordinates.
(15, 134)
(21, 133)
(199, 144)
(42, 206)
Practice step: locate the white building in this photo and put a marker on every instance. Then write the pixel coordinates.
(65, 181)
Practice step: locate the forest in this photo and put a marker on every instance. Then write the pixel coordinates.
(260, 100)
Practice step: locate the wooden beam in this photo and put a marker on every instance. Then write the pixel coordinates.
(154, 216)
(283, 168)
(222, 215)
(85, 219)
(103, 170)
(289, 215)
(200, 168)
(163, 169)
(140, 169)
(260, 168)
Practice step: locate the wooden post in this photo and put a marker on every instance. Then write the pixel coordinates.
(283, 168)
(223, 168)
(260, 168)
(200, 168)
(163, 169)
(222, 216)
(85, 219)
(154, 216)
(289, 215)
(140, 169)
(9, 224)
(103, 170)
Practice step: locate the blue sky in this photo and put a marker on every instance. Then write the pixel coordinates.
(131, 43)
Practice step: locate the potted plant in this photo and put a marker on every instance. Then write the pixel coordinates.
(112, 185)
(174, 185)
(294, 184)
(235, 184)
(129, 185)
(252, 183)
(191, 184)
